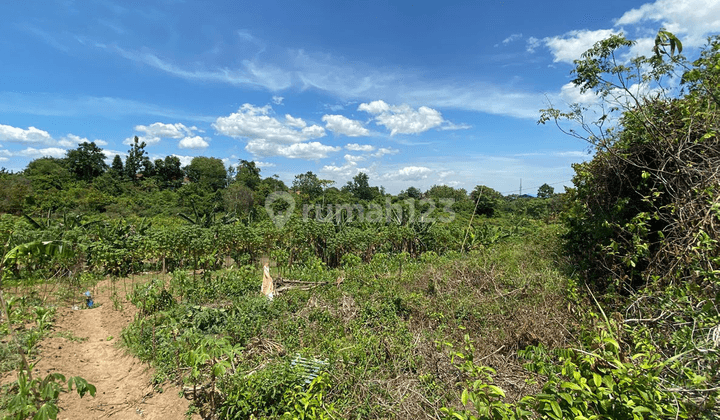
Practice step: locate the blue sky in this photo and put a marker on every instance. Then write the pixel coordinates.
(411, 93)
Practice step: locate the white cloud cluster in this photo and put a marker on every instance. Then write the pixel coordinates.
(31, 152)
(385, 151)
(71, 140)
(19, 135)
(194, 142)
(570, 46)
(155, 132)
(359, 147)
(403, 119)
(691, 20)
(408, 173)
(268, 136)
(354, 159)
(340, 124)
(310, 151)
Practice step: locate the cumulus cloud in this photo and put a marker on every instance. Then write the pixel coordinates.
(354, 159)
(385, 151)
(155, 132)
(402, 118)
(570, 46)
(19, 135)
(691, 20)
(184, 160)
(171, 131)
(37, 153)
(71, 140)
(255, 123)
(310, 151)
(409, 173)
(195, 142)
(268, 136)
(359, 147)
(277, 100)
(264, 164)
(340, 124)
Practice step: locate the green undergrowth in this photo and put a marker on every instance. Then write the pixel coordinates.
(384, 330)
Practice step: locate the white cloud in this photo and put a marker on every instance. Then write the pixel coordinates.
(409, 173)
(19, 135)
(451, 126)
(354, 159)
(71, 140)
(155, 132)
(403, 119)
(346, 171)
(277, 100)
(264, 164)
(295, 122)
(511, 38)
(184, 160)
(571, 45)
(149, 141)
(359, 147)
(385, 151)
(340, 124)
(254, 123)
(571, 95)
(531, 44)
(691, 20)
(195, 142)
(310, 151)
(172, 131)
(37, 153)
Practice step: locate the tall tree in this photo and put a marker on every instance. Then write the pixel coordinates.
(168, 172)
(360, 187)
(545, 191)
(209, 172)
(309, 184)
(248, 174)
(136, 160)
(117, 168)
(86, 162)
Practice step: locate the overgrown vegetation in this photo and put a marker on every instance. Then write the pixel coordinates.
(443, 304)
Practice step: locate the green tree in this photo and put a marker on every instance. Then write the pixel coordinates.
(308, 184)
(137, 160)
(47, 173)
(15, 190)
(446, 192)
(87, 162)
(486, 200)
(238, 198)
(545, 191)
(662, 156)
(208, 172)
(117, 168)
(168, 172)
(360, 187)
(248, 174)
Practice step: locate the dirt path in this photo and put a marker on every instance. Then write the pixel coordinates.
(84, 343)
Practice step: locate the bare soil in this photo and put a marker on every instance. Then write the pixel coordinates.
(85, 342)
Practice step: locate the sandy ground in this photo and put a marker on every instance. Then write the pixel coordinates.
(124, 388)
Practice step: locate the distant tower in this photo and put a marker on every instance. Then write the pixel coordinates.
(520, 186)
